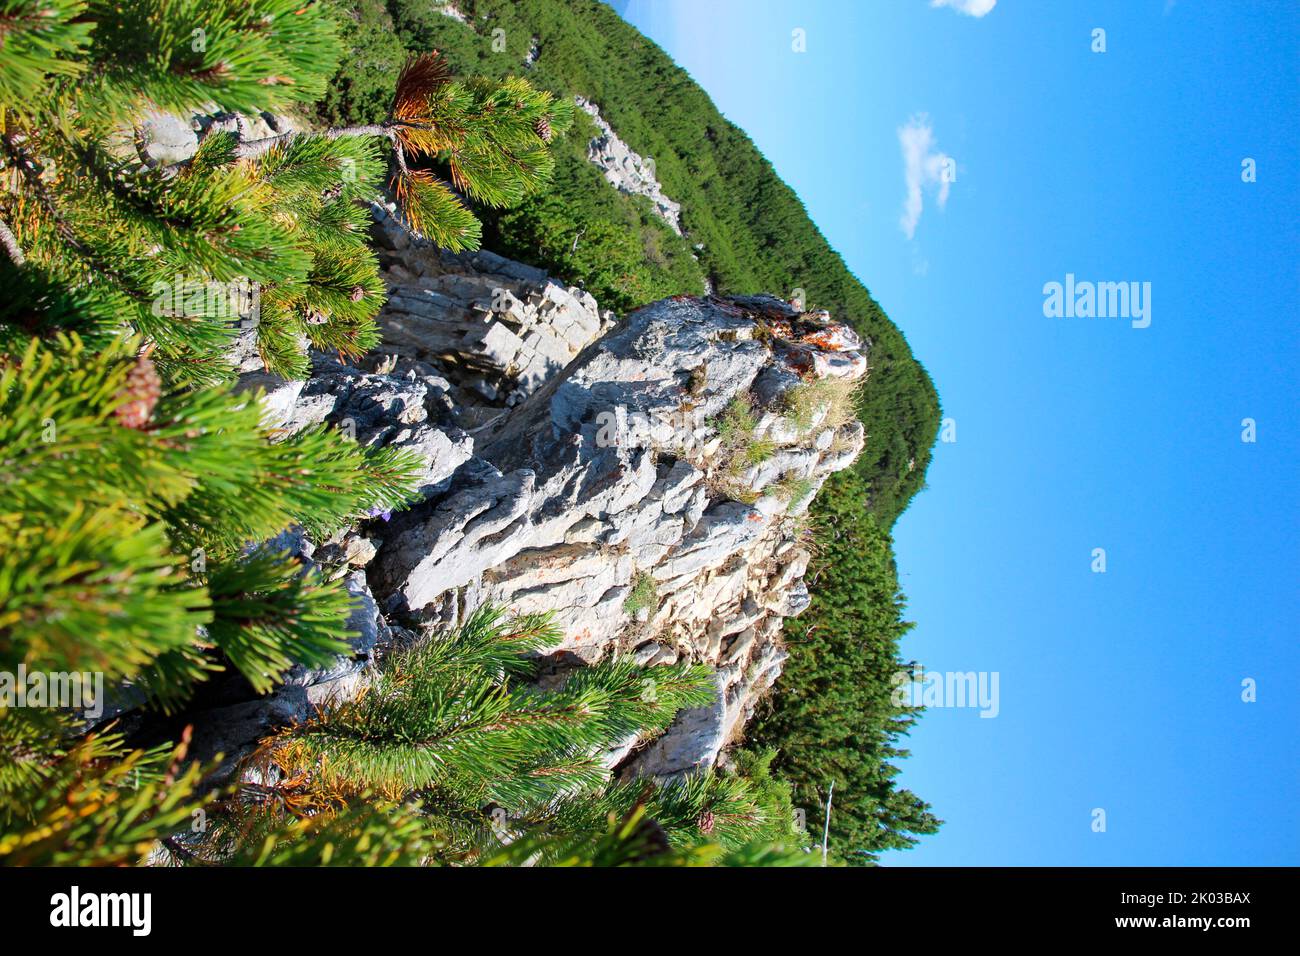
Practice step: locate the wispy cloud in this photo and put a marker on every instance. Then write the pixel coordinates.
(972, 8)
(923, 168)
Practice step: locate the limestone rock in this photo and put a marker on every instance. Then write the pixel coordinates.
(692, 742)
(498, 329)
(561, 510)
(378, 410)
(569, 463)
(625, 169)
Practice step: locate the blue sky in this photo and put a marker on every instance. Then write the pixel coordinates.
(1120, 690)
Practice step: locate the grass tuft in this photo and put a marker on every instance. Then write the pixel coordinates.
(644, 594)
(804, 402)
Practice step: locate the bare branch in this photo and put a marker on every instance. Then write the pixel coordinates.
(259, 147)
(10, 243)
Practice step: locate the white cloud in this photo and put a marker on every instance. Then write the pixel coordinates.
(923, 166)
(972, 8)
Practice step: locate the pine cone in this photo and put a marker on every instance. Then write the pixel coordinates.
(141, 392)
(544, 129)
(706, 821)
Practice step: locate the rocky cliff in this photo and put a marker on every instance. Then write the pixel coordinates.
(644, 480)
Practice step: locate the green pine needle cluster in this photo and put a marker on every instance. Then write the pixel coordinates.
(93, 803)
(137, 486)
(490, 137)
(266, 234)
(137, 567)
(451, 716)
(452, 729)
